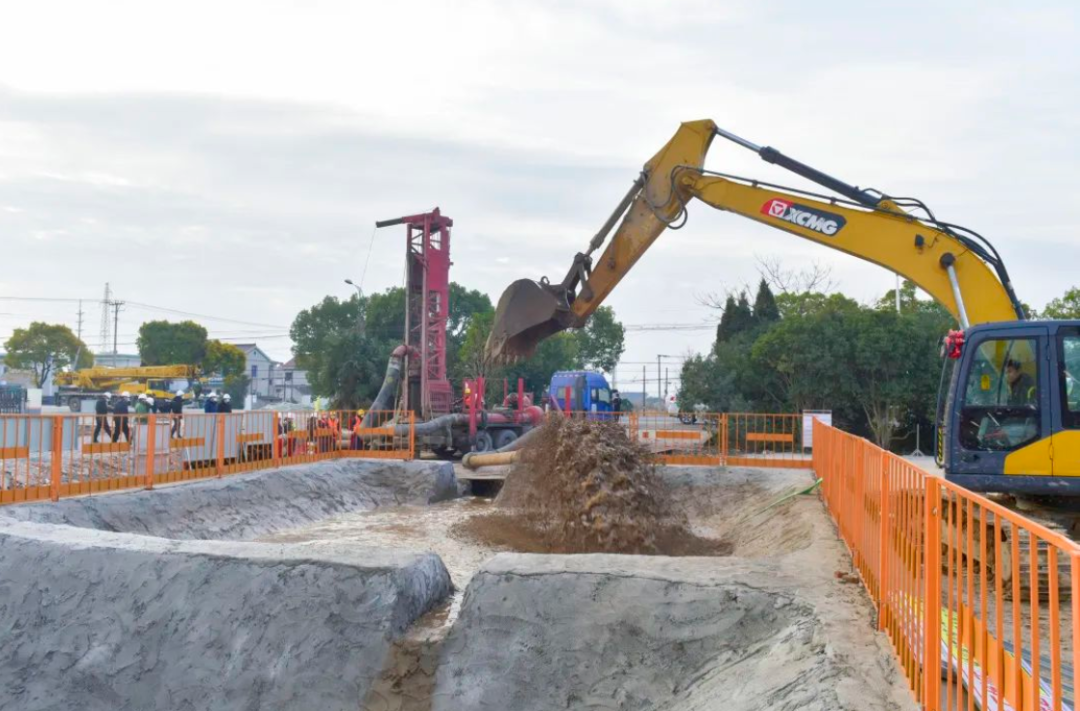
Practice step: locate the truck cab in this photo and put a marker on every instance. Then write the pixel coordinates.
(589, 391)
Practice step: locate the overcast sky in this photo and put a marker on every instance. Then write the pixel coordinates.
(230, 158)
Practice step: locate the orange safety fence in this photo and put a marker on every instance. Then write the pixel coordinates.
(982, 605)
(52, 456)
(764, 440)
(693, 439)
(713, 439)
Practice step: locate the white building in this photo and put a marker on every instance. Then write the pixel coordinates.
(290, 384)
(117, 360)
(260, 368)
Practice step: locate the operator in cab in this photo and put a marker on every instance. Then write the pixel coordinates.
(1021, 384)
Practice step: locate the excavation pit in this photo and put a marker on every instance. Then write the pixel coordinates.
(345, 585)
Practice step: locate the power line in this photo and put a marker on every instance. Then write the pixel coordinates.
(139, 304)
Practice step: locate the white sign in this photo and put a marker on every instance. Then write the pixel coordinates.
(808, 417)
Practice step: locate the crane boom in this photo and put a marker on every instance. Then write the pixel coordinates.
(963, 274)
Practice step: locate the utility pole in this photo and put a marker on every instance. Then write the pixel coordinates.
(79, 331)
(659, 381)
(116, 325)
(644, 389)
(666, 380)
(105, 319)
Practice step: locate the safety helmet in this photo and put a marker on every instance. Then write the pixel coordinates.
(142, 396)
(180, 393)
(213, 395)
(108, 395)
(226, 397)
(125, 394)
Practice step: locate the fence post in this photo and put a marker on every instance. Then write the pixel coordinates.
(219, 426)
(151, 446)
(412, 435)
(883, 536)
(277, 438)
(633, 424)
(931, 602)
(724, 439)
(57, 454)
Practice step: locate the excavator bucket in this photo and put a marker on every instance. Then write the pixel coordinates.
(528, 312)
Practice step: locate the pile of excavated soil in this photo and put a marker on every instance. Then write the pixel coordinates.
(582, 486)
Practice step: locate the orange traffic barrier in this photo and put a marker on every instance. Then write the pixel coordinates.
(53, 456)
(969, 592)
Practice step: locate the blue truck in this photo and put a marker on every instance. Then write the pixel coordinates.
(589, 391)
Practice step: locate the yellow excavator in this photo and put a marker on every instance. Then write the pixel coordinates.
(1008, 413)
(154, 380)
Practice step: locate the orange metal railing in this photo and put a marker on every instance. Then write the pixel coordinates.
(981, 604)
(53, 456)
(713, 439)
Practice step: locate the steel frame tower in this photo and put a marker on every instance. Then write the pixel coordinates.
(426, 390)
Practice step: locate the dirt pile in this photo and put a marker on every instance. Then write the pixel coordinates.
(582, 486)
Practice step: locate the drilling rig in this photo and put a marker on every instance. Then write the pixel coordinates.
(416, 378)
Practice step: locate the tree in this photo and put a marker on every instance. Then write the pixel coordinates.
(765, 309)
(602, 342)
(471, 314)
(224, 359)
(165, 343)
(384, 315)
(559, 352)
(230, 363)
(473, 359)
(737, 318)
(322, 336)
(44, 349)
(1064, 307)
(808, 303)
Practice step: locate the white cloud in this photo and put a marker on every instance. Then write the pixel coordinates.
(231, 158)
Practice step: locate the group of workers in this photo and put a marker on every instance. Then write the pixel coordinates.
(212, 405)
(121, 409)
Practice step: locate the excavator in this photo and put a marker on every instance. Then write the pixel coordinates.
(1008, 416)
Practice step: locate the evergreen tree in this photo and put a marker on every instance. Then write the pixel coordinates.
(743, 320)
(723, 329)
(765, 309)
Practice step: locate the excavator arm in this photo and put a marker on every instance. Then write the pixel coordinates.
(954, 265)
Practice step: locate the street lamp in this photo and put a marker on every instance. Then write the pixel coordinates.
(359, 306)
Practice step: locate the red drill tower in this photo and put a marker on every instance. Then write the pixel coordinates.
(425, 389)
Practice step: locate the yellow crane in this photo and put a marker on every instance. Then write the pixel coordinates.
(154, 380)
(1010, 417)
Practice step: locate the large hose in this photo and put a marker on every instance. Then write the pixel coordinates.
(384, 402)
(385, 399)
(503, 455)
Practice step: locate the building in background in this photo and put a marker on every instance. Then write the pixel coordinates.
(290, 384)
(117, 360)
(260, 368)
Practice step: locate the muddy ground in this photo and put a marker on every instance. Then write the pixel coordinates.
(736, 509)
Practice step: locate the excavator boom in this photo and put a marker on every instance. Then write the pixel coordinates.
(956, 267)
